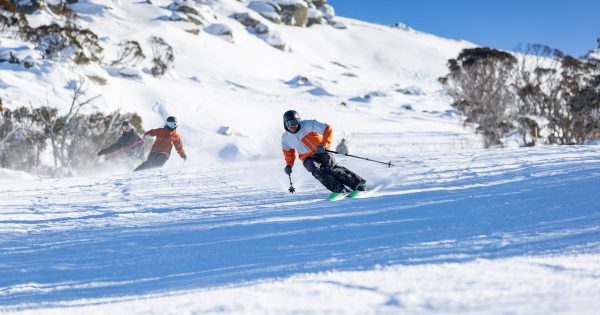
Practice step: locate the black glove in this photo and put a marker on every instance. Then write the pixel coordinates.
(101, 152)
(320, 149)
(184, 157)
(288, 170)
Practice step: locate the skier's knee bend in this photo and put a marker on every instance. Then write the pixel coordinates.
(309, 165)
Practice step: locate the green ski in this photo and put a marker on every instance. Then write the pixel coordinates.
(337, 196)
(363, 193)
(358, 193)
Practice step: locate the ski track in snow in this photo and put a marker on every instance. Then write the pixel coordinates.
(173, 230)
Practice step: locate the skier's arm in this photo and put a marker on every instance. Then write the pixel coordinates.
(289, 153)
(151, 132)
(179, 147)
(325, 131)
(115, 146)
(290, 157)
(327, 137)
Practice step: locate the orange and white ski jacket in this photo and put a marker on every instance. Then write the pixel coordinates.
(311, 134)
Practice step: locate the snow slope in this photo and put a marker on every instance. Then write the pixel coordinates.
(451, 229)
(471, 232)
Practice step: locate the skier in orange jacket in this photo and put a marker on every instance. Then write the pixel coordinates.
(166, 138)
(310, 139)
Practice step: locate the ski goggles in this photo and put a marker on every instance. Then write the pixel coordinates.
(126, 128)
(172, 124)
(292, 123)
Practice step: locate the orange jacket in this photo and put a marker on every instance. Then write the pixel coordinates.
(165, 140)
(311, 134)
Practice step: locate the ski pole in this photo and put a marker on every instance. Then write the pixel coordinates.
(389, 164)
(120, 151)
(292, 189)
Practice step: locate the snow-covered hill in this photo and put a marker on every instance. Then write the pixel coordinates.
(386, 76)
(451, 229)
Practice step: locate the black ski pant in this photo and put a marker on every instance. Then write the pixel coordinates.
(155, 159)
(332, 175)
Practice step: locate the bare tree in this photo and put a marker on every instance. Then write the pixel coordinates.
(21, 140)
(162, 56)
(557, 90)
(479, 81)
(75, 138)
(130, 52)
(77, 103)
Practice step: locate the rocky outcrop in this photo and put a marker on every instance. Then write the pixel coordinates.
(261, 30)
(268, 10)
(246, 19)
(190, 11)
(315, 17)
(27, 6)
(296, 12)
(293, 12)
(401, 26)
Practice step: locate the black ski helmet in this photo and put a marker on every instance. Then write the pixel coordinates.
(171, 122)
(291, 115)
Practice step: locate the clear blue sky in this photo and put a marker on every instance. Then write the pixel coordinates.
(569, 25)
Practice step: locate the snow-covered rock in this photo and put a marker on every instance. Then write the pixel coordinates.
(27, 6)
(273, 38)
(289, 12)
(298, 81)
(191, 11)
(338, 24)
(28, 62)
(369, 97)
(268, 10)
(247, 19)
(401, 26)
(293, 12)
(125, 72)
(254, 26)
(411, 90)
(178, 16)
(225, 131)
(9, 56)
(315, 16)
(296, 3)
(328, 11)
(221, 30)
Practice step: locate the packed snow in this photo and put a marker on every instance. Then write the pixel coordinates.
(469, 232)
(451, 228)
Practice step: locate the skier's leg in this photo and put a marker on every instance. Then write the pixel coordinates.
(316, 169)
(342, 174)
(142, 166)
(155, 159)
(160, 159)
